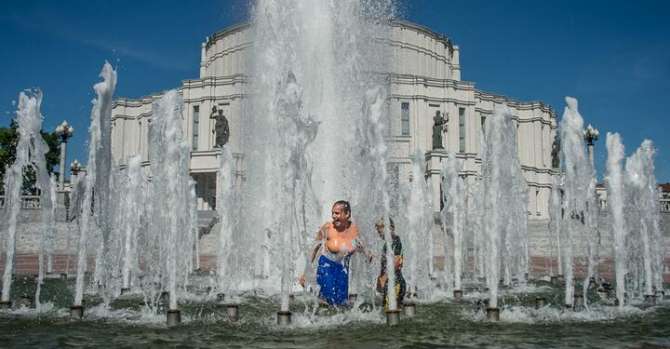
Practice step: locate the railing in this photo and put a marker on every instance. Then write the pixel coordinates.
(28, 202)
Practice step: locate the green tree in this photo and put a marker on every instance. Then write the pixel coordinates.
(9, 137)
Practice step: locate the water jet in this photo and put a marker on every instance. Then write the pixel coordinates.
(409, 308)
(458, 295)
(52, 276)
(76, 312)
(578, 302)
(392, 317)
(233, 312)
(560, 279)
(283, 318)
(24, 301)
(173, 317)
(650, 299)
(493, 314)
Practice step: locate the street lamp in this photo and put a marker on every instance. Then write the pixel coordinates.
(64, 131)
(591, 135)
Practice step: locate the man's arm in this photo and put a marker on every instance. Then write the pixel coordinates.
(318, 240)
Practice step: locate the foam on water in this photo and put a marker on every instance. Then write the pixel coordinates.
(313, 321)
(547, 314)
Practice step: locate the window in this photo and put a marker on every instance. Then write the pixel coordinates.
(404, 119)
(196, 126)
(483, 121)
(461, 130)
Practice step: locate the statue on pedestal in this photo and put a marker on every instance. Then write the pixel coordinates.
(439, 126)
(221, 128)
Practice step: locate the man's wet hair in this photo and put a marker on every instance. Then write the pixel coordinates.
(345, 205)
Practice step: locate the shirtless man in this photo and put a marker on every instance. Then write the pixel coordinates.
(335, 242)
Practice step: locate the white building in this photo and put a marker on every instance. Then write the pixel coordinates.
(425, 78)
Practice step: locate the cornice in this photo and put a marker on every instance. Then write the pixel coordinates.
(432, 99)
(224, 52)
(215, 81)
(226, 31)
(420, 49)
(411, 79)
(401, 23)
(425, 30)
(490, 97)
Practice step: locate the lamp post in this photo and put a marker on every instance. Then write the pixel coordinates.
(591, 135)
(64, 131)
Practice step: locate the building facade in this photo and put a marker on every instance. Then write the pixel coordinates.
(425, 79)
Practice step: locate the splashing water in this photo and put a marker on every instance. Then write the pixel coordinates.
(642, 222)
(170, 189)
(30, 152)
(227, 219)
(313, 132)
(577, 185)
(49, 220)
(615, 153)
(556, 217)
(133, 215)
(419, 224)
(97, 176)
(505, 190)
(454, 216)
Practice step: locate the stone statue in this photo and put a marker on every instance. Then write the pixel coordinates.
(439, 124)
(221, 128)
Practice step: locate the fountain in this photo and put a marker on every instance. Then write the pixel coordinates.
(97, 179)
(167, 264)
(315, 130)
(554, 229)
(318, 107)
(578, 191)
(642, 221)
(136, 195)
(505, 221)
(419, 220)
(30, 152)
(47, 184)
(615, 153)
(454, 216)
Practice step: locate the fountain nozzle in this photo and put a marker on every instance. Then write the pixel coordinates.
(392, 317)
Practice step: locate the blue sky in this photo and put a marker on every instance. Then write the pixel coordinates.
(614, 56)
